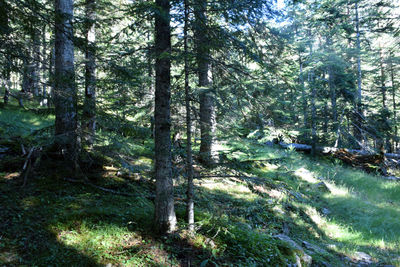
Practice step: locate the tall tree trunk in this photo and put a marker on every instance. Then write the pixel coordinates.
(65, 95)
(326, 118)
(313, 115)
(331, 81)
(359, 74)
(151, 84)
(313, 107)
(332, 91)
(394, 89)
(165, 219)
(5, 30)
(27, 78)
(36, 63)
(7, 80)
(207, 108)
(51, 78)
(89, 106)
(303, 93)
(358, 114)
(383, 85)
(43, 101)
(189, 159)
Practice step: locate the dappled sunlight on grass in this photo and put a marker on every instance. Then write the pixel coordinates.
(19, 122)
(356, 211)
(336, 190)
(332, 229)
(306, 175)
(235, 190)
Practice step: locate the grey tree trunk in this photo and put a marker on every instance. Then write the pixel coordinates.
(303, 93)
(27, 78)
(207, 108)
(50, 98)
(89, 106)
(43, 101)
(313, 114)
(150, 66)
(7, 80)
(332, 90)
(164, 219)
(358, 114)
(313, 106)
(36, 63)
(65, 95)
(383, 85)
(359, 74)
(189, 158)
(394, 89)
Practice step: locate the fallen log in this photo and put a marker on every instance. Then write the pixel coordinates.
(356, 158)
(297, 147)
(329, 150)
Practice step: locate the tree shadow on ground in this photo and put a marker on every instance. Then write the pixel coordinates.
(52, 222)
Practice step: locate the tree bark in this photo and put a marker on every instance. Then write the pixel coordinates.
(27, 76)
(44, 100)
(89, 106)
(358, 102)
(303, 93)
(207, 108)
(36, 62)
(394, 88)
(358, 44)
(164, 219)
(51, 78)
(7, 80)
(189, 159)
(65, 95)
(383, 85)
(313, 115)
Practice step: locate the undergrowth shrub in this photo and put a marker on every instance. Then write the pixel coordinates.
(243, 245)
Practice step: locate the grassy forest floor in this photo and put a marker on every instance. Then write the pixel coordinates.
(261, 206)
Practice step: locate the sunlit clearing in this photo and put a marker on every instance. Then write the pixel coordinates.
(337, 190)
(333, 230)
(306, 175)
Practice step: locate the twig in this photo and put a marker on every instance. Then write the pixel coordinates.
(87, 182)
(27, 166)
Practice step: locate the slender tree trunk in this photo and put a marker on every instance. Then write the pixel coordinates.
(5, 30)
(383, 85)
(43, 101)
(313, 115)
(303, 93)
(359, 74)
(7, 80)
(50, 98)
(151, 84)
(27, 78)
(331, 82)
(36, 63)
(165, 219)
(207, 108)
(394, 89)
(65, 95)
(89, 106)
(358, 114)
(313, 106)
(332, 91)
(189, 159)
(326, 118)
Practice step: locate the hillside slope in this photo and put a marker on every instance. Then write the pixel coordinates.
(262, 206)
